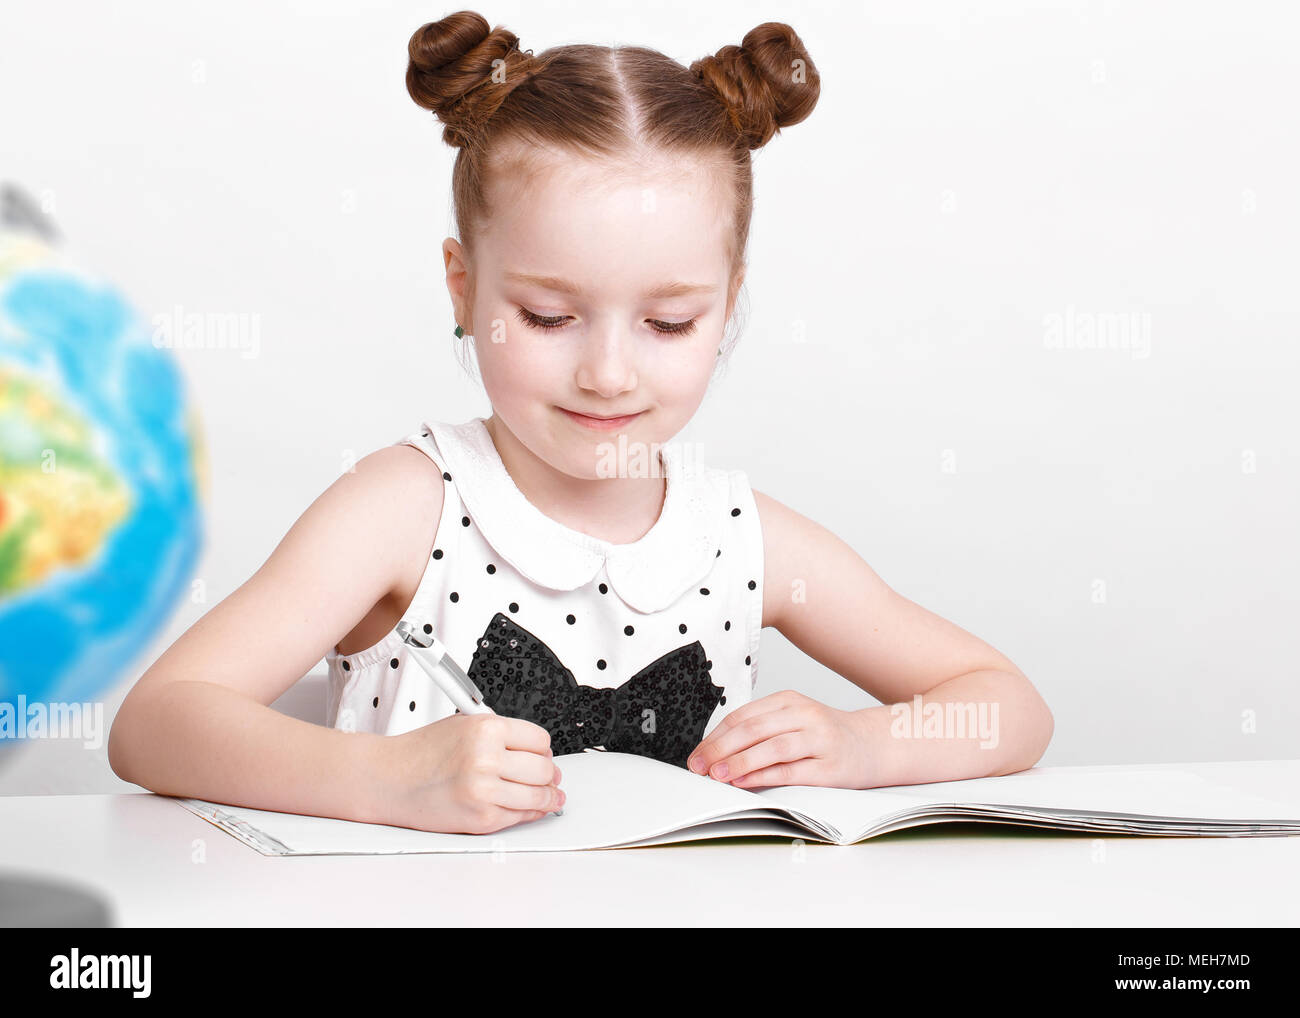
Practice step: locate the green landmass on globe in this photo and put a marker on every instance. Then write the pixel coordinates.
(58, 498)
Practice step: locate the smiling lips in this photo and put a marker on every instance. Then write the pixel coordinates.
(602, 423)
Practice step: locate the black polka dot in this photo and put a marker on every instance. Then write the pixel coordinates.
(514, 606)
(464, 521)
(437, 553)
(428, 628)
(723, 701)
(392, 663)
(446, 476)
(735, 512)
(347, 667)
(746, 659)
(681, 628)
(570, 619)
(374, 702)
(604, 589)
(752, 584)
(704, 590)
(601, 664)
(412, 705)
(454, 597)
(491, 568)
(728, 625)
(719, 553)
(628, 630)
(425, 434)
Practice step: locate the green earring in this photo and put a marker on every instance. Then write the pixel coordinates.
(459, 332)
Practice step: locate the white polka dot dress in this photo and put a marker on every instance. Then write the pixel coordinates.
(635, 648)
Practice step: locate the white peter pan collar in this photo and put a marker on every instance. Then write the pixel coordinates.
(649, 574)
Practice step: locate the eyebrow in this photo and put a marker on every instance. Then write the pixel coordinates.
(564, 286)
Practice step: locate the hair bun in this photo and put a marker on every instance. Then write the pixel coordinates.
(451, 71)
(766, 83)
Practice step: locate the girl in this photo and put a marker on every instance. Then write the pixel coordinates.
(605, 588)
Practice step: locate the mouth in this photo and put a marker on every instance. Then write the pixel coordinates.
(598, 423)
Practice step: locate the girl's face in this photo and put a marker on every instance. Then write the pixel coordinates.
(600, 293)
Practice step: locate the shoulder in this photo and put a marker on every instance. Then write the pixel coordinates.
(784, 531)
(781, 525)
(394, 478)
(405, 469)
(394, 495)
(798, 553)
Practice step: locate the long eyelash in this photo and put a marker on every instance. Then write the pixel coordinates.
(678, 328)
(538, 322)
(557, 322)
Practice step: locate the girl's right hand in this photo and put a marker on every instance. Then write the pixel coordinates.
(470, 774)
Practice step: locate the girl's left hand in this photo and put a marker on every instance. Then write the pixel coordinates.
(787, 738)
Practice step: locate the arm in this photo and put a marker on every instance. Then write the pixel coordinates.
(822, 596)
(198, 722)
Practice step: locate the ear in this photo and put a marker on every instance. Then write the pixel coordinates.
(458, 280)
(734, 291)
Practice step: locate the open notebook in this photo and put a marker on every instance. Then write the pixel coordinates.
(618, 800)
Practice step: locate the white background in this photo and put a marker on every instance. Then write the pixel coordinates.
(1122, 527)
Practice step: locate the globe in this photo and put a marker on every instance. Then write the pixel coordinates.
(102, 478)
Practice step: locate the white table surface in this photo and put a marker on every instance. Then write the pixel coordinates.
(160, 865)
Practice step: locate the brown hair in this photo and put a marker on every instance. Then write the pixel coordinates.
(606, 103)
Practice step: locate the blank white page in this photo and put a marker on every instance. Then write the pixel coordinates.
(612, 799)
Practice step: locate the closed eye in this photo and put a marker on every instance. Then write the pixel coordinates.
(536, 321)
(672, 328)
(540, 322)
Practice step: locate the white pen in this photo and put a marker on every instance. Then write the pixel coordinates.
(446, 673)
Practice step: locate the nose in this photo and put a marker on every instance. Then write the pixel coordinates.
(608, 364)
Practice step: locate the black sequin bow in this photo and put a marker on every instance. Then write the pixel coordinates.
(660, 712)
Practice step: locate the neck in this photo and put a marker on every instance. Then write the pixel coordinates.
(620, 510)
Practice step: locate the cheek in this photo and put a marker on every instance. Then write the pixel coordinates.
(681, 371)
(520, 365)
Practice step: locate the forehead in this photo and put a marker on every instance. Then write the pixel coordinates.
(602, 222)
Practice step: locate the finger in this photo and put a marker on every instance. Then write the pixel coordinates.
(785, 747)
(772, 701)
(703, 756)
(748, 732)
(524, 735)
(518, 796)
(763, 705)
(794, 772)
(503, 818)
(528, 768)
